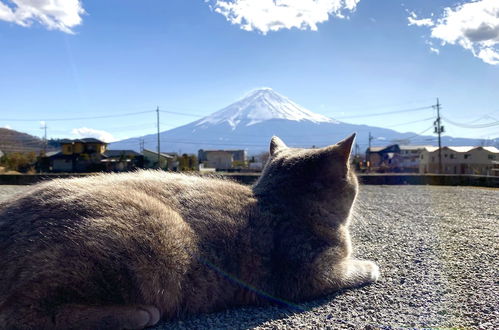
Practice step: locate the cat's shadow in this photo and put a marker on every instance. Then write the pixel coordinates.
(248, 317)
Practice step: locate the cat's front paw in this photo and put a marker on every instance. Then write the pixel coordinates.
(360, 272)
(373, 271)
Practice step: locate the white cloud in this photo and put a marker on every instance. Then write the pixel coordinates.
(85, 132)
(7, 126)
(489, 55)
(434, 50)
(60, 15)
(473, 25)
(273, 15)
(413, 20)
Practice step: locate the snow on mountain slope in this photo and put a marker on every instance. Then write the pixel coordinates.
(262, 105)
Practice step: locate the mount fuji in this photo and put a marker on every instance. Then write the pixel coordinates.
(250, 123)
(259, 106)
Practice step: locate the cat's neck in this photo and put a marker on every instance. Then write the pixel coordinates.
(302, 212)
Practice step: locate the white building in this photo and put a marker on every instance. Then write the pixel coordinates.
(461, 160)
(219, 159)
(167, 161)
(410, 156)
(223, 159)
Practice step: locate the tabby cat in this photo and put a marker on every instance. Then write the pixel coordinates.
(123, 251)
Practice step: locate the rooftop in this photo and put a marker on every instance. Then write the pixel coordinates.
(432, 148)
(85, 140)
(162, 154)
(408, 147)
(119, 153)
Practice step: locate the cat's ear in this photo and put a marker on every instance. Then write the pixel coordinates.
(276, 144)
(345, 146)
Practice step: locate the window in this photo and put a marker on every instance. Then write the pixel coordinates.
(452, 156)
(90, 148)
(467, 156)
(491, 156)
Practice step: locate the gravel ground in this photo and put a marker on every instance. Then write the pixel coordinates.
(438, 251)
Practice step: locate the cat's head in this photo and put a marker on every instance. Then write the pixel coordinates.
(311, 178)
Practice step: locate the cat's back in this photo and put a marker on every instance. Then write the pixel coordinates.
(113, 194)
(112, 203)
(124, 225)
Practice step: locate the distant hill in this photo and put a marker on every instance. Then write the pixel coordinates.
(250, 123)
(14, 141)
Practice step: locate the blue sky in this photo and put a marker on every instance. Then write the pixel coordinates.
(192, 57)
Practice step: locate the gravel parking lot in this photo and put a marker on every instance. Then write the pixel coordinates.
(437, 248)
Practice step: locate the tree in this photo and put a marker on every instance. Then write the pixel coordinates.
(188, 162)
(263, 157)
(18, 161)
(54, 143)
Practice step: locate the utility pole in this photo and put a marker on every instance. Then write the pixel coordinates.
(439, 130)
(44, 127)
(368, 156)
(141, 145)
(159, 152)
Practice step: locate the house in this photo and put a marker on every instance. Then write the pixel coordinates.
(383, 159)
(121, 160)
(223, 159)
(89, 155)
(409, 158)
(167, 161)
(88, 146)
(219, 159)
(461, 160)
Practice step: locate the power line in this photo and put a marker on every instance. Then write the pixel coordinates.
(206, 143)
(418, 134)
(232, 144)
(393, 105)
(485, 125)
(192, 115)
(166, 125)
(195, 115)
(387, 113)
(183, 114)
(485, 116)
(83, 118)
(216, 143)
(410, 122)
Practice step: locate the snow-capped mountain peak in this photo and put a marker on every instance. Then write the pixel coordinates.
(261, 105)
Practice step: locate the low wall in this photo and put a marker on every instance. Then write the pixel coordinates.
(430, 179)
(250, 178)
(404, 179)
(27, 179)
